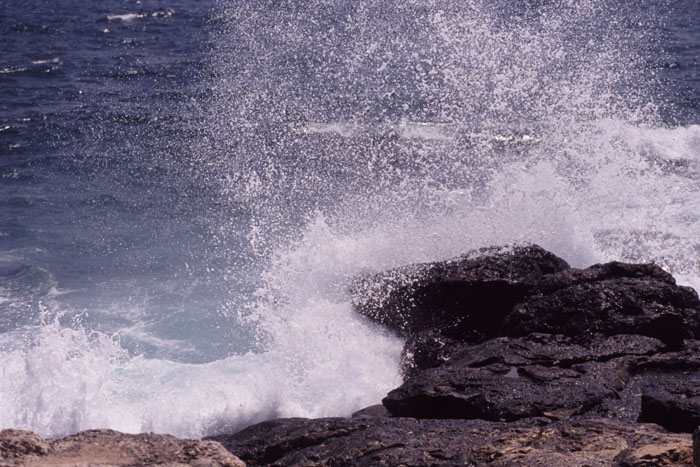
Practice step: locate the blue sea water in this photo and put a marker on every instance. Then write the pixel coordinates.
(187, 188)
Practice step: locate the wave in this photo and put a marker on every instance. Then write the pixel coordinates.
(129, 17)
(126, 17)
(359, 139)
(72, 379)
(320, 358)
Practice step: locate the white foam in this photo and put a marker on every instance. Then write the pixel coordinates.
(126, 18)
(129, 17)
(44, 62)
(324, 361)
(680, 143)
(342, 129)
(590, 189)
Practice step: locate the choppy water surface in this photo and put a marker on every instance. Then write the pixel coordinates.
(187, 188)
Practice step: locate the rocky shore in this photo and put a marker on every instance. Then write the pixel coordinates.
(511, 358)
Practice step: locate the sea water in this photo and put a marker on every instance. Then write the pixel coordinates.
(188, 188)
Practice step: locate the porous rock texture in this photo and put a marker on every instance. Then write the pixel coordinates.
(516, 291)
(110, 448)
(418, 442)
(514, 358)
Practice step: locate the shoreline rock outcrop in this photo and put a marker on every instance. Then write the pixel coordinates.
(419, 442)
(511, 357)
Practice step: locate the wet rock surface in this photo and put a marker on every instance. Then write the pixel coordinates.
(610, 299)
(517, 291)
(673, 401)
(466, 298)
(111, 448)
(408, 441)
(514, 358)
(542, 375)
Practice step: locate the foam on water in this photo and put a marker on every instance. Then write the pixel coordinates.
(70, 379)
(321, 359)
(511, 128)
(127, 17)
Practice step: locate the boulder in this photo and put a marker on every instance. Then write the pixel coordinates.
(516, 291)
(614, 298)
(466, 298)
(408, 441)
(111, 448)
(672, 401)
(542, 375)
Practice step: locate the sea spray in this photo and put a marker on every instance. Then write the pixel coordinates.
(341, 138)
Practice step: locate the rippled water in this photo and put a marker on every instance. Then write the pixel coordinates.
(186, 188)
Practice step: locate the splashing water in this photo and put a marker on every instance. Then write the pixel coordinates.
(349, 138)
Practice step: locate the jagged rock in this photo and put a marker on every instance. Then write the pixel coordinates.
(111, 448)
(670, 387)
(407, 441)
(517, 291)
(684, 359)
(614, 298)
(427, 349)
(466, 298)
(601, 272)
(541, 375)
(696, 446)
(373, 411)
(673, 401)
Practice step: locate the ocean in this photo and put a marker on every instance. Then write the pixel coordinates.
(188, 188)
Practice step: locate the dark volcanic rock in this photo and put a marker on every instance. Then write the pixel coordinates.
(407, 441)
(610, 299)
(466, 298)
(513, 358)
(673, 401)
(505, 334)
(696, 446)
(506, 379)
(521, 290)
(373, 411)
(427, 350)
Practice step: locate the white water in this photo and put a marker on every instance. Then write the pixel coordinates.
(601, 180)
(322, 359)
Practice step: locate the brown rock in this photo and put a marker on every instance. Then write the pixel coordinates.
(18, 443)
(111, 448)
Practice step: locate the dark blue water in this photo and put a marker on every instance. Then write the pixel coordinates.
(99, 198)
(182, 183)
